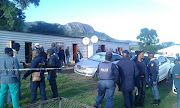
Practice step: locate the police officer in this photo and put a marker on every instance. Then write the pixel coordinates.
(128, 72)
(37, 62)
(140, 80)
(153, 68)
(52, 63)
(109, 78)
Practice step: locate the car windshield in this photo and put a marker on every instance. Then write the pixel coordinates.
(98, 57)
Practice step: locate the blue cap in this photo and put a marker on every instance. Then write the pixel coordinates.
(109, 53)
(126, 51)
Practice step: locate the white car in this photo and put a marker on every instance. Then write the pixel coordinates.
(89, 67)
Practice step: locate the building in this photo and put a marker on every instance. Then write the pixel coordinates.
(27, 41)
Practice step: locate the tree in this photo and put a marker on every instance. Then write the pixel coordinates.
(148, 39)
(11, 13)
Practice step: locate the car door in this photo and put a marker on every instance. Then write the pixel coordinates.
(162, 67)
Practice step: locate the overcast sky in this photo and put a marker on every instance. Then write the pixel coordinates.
(120, 19)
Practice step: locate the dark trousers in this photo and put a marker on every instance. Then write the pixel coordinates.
(34, 86)
(140, 95)
(52, 82)
(128, 99)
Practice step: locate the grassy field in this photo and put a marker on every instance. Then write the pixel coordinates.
(84, 89)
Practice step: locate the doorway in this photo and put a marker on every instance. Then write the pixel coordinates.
(28, 52)
(75, 48)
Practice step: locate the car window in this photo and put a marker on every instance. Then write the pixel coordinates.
(98, 57)
(171, 58)
(115, 58)
(162, 60)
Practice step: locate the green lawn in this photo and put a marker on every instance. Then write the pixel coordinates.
(84, 90)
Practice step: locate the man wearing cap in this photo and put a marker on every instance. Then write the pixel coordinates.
(109, 78)
(78, 56)
(176, 78)
(37, 62)
(9, 79)
(140, 80)
(128, 73)
(52, 63)
(153, 70)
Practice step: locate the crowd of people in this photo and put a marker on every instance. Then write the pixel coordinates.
(127, 75)
(11, 79)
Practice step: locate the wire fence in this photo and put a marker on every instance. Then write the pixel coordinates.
(58, 103)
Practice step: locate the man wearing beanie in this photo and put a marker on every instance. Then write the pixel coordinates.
(109, 78)
(52, 63)
(9, 79)
(128, 73)
(140, 80)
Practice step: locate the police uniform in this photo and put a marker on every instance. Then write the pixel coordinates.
(153, 70)
(109, 76)
(37, 62)
(53, 63)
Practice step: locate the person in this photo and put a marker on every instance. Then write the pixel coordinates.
(53, 46)
(99, 49)
(67, 55)
(176, 78)
(61, 58)
(177, 58)
(130, 54)
(36, 46)
(43, 54)
(16, 48)
(128, 73)
(153, 68)
(109, 78)
(52, 63)
(78, 56)
(111, 50)
(140, 80)
(37, 62)
(9, 79)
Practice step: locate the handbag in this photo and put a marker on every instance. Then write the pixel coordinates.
(36, 76)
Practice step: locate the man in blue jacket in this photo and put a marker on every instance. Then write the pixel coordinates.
(128, 72)
(153, 70)
(109, 78)
(9, 79)
(37, 62)
(176, 78)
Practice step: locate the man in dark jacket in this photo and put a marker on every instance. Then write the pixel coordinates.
(140, 80)
(153, 70)
(99, 49)
(52, 63)
(61, 57)
(78, 56)
(37, 62)
(109, 77)
(128, 72)
(67, 55)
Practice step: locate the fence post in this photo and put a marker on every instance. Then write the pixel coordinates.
(60, 103)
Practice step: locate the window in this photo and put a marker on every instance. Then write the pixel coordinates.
(162, 60)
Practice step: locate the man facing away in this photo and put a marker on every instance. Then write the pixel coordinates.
(153, 70)
(176, 78)
(9, 79)
(37, 62)
(109, 78)
(67, 55)
(128, 73)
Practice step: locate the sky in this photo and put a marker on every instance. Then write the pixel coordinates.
(120, 19)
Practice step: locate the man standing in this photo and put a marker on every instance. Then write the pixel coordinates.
(176, 78)
(9, 79)
(67, 55)
(16, 48)
(37, 62)
(61, 57)
(99, 49)
(109, 78)
(153, 68)
(52, 63)
(140, 80)
(78, 56)
(128, 73)
(53, 46)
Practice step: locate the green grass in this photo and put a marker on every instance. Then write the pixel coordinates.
(84, 90)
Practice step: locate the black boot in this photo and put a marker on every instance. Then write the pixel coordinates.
(155, 102)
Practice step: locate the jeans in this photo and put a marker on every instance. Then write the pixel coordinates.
(52, 82)
(105, 87)
(178, 98)
(34, 86)
(67, 60)
(155, 91)
(128, 99)
(14, 90)
(60, 65)
(139, 98)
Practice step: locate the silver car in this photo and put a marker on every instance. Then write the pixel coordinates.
(89, 67)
